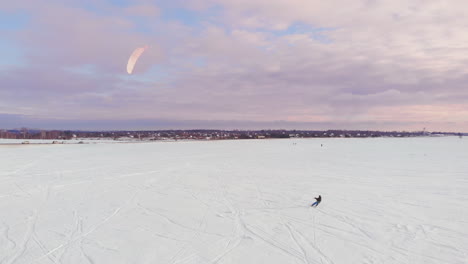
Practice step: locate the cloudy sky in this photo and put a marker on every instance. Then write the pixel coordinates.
(306, 64)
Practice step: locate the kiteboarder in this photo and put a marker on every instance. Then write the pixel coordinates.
(319, 199)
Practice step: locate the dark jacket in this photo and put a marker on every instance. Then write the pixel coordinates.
(319, 199)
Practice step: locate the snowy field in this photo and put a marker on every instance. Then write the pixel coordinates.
(51, 141)
(384, 201)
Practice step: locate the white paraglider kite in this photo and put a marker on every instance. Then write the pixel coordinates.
(134, 58)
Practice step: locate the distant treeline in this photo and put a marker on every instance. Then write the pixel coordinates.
(25, 133)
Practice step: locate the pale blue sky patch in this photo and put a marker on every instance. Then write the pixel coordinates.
(142, 25)
(14, 55)
(189, 17)
(13, 21)
(186, 16)
(316, 33)
(199, 61)
(121, 3)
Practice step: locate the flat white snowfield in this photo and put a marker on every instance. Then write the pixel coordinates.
(384, 201)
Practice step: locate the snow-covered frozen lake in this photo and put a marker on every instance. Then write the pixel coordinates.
(384, 201)
(4, 141)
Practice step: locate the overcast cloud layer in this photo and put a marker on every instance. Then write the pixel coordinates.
(361, 64)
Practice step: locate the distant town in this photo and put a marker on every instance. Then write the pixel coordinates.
(207, 134)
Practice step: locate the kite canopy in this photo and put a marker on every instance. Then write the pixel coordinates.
(134, 58)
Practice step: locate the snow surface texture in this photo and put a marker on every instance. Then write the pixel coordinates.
(4, 141)
(384, 201)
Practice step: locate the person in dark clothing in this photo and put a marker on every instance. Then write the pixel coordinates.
(319, 199)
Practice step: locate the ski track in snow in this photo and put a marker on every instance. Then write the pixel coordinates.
(384, 201)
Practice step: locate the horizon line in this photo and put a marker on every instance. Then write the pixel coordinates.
(231, 129)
